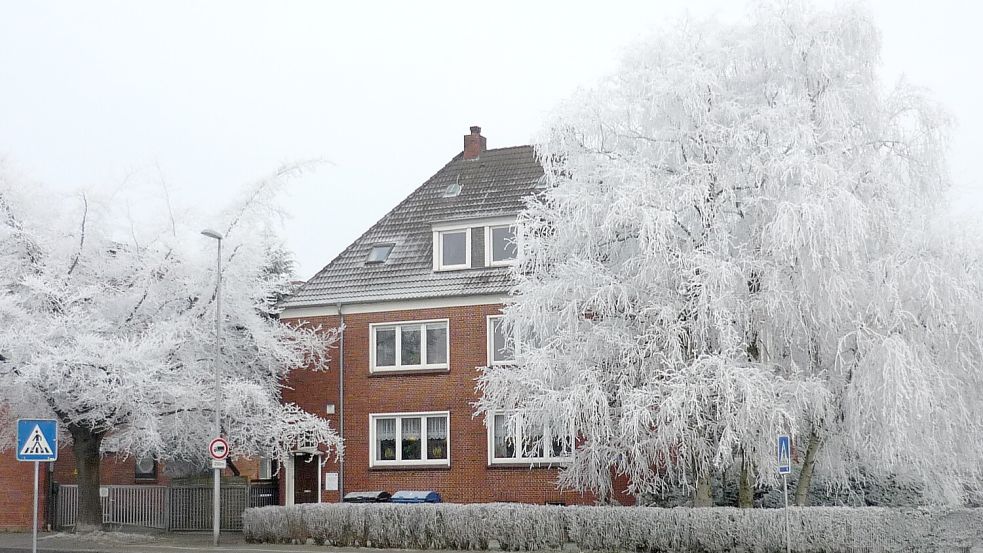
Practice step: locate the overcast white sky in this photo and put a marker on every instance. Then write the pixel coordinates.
(211, 95)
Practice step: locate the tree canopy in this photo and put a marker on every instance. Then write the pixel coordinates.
(111, 330)
(739, 237)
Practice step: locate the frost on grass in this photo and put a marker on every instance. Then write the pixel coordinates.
(741, 233)
(514, 527)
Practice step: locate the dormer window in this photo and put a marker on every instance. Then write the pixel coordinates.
(453, 249)
(379, 254)
(500, 246)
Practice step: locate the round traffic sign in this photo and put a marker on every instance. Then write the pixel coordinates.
(218, 449)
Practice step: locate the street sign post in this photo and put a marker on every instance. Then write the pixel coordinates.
(37, 441)
(784, 468)
(218, 450)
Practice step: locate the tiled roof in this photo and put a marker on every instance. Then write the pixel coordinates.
(492, 185)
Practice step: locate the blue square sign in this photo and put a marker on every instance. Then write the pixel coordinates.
(37, 440)
(784, 455)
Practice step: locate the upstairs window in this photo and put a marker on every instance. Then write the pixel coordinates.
(409, 346)
(500, 246)
(500, 350)
(453, 249)
(379, 253)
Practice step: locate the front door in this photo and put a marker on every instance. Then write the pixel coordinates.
(305, 478)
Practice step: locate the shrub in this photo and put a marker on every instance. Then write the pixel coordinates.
(516, 527)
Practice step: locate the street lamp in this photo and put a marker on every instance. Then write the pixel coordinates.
(217, 407)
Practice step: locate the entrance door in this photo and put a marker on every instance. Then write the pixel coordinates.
(305, 478)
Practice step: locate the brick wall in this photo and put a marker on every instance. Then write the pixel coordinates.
(469, 478)
(17, 493)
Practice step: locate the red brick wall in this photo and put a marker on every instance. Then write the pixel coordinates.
(469, 478)
(17, 493)
(112, 470)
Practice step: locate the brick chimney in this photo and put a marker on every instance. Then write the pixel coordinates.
(474, 144)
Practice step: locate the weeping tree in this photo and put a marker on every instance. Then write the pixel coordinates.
(735, 240)
(113, 333)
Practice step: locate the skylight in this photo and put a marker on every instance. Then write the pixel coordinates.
(453, 189)
(379, 254)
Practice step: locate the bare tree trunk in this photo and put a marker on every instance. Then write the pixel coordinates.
(805, 476)
(86, 448)
(745, 490)
(703, 495)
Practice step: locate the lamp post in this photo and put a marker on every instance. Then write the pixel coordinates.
(217, 407)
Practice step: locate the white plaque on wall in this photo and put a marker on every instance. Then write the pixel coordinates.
(331, 481)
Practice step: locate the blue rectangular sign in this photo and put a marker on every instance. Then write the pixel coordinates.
(37, 440)
(784, 455)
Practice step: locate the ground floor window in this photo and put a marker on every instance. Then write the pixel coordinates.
(409, 439)
(536, 446)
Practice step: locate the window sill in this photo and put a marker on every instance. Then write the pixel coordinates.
(400, 372)
(409, 467)
(528, 464)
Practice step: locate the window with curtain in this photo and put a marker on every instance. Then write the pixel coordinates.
(385, 439)
(535, 445)
(410, 439)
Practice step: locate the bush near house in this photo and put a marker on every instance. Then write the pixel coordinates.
(513, 527)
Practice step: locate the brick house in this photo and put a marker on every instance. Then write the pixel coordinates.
(419, 295)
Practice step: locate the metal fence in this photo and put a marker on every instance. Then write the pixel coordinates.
(183, 508)
(191, 508)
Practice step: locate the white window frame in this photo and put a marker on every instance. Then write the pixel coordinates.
(375, 463)
(438, 249)
(399, 367)
(490, 343)
(489, 262)
(525, 461)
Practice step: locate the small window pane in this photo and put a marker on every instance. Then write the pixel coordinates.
(409, 353)
(379, 253)
(532, 443)
(504, 445)
(411, 439)
(560, 448)
(453, 248)
(501, 349)
(503, 243)
(385, 436)
(385, 347)
(436, 343)
(436, 437)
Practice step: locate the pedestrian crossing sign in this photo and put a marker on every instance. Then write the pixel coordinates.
(784, 455)
(37, 440)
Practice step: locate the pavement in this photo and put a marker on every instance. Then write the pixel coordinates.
(173, 542)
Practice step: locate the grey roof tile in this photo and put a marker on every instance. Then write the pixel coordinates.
(494, 184)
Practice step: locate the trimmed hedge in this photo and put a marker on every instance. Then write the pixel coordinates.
(514, 527)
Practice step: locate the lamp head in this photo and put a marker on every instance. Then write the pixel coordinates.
(212, 234)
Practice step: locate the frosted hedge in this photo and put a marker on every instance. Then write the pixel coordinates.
(513, 527)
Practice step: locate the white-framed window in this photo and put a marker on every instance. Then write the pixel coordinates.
(397, 439)
(500, 348)
(500, 245)
(452, 249)
(505, 448)
(408, 346)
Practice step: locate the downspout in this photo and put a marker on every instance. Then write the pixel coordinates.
(341, 402)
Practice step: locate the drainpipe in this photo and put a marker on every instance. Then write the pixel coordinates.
(341, 401)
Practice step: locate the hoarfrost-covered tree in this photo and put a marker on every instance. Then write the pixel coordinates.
(115, 337)
(736, 240)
